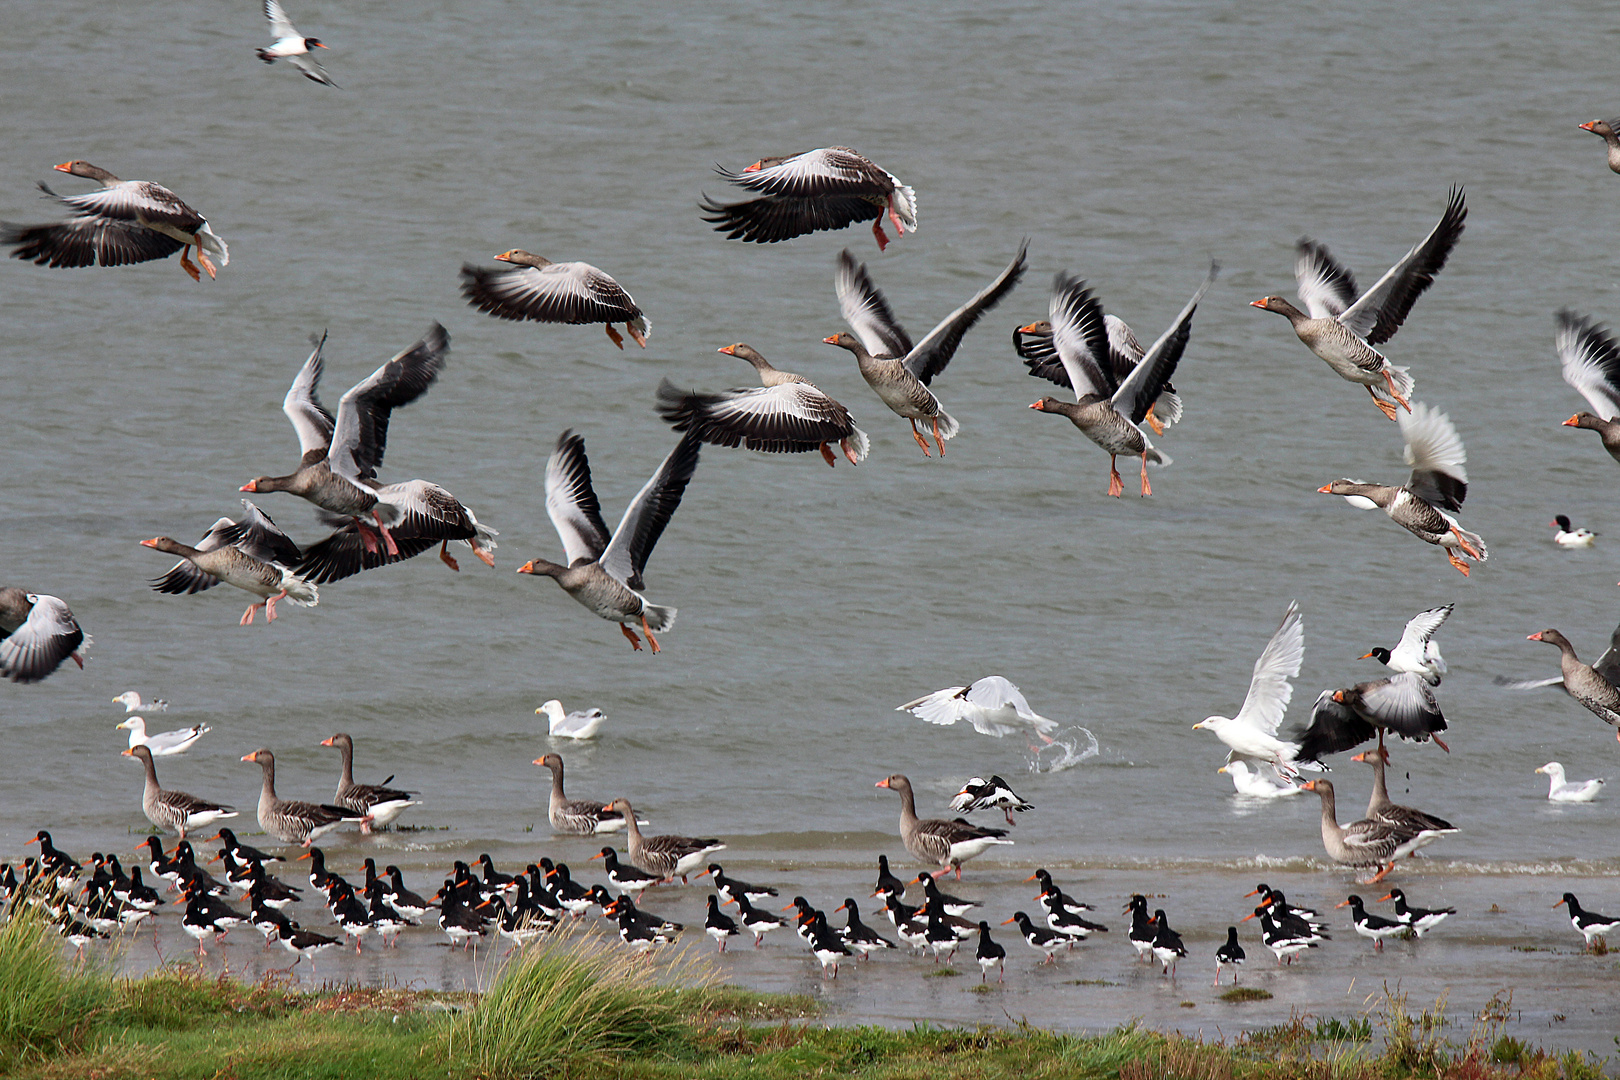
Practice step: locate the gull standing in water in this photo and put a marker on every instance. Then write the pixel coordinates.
(1562, 790)
(574, 725)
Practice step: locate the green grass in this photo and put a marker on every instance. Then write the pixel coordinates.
(1246, 993)
(44, 1000)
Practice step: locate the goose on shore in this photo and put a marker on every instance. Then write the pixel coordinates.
(1109, 410)
(163, 744)
(1562, 790)
(896, 369)
(1342, 327)
(830, 188)
(1607, 130)
(935, 841)
(1592, 686)
(1417, 651)
(291, 46)
(1425, 827)
(291, 821)
(1589, 358)
(786, 414)
(126, 221)
(574, 725)
(1438, 484)
(993, 705)
(540, 290)
(665, 856)
(174, 811)
(575, 817)
(603, 573)
(37, 633)
(379, 803)
(1252, 733)
(253, 555)
(1364, 843)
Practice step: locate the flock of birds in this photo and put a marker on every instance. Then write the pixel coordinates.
(1123, 399)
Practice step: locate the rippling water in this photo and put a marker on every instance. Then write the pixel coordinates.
(1131, 144)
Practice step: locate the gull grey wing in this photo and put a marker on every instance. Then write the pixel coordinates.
(1383, 308)
(280, 25)
(644, 520)
(867, 311)
(1137, 393)
(1590, 359)
(360, 435)
(309, 417)
(312, 70)
(935, 351)
(571, 501)
(1327, 288)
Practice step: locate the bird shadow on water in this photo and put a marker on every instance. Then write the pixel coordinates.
(1068, 748)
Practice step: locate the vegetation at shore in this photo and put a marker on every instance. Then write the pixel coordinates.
(580, 1006)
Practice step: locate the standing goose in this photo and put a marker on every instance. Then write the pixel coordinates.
(288, 820)
(127, 221)
(665, 856)
(830, 188)
(1035, 346)
(1363, 843)
(1593, 687)
(786, 414)
(253, 555)
(1439, 483)
(1342, 328)
(897, 370)
(536, 288)
(1590, 360)
(1607, 130)
(1417, 652)
(174, 811)
(575, 817)
(1108, 410)
(37, 633)
(293, 47)
(1252, 733)
(163, 744)
(935, 841)
(379, 803)
(1426, 826)
(603, 573)
(1562, 790)
(1402, 705)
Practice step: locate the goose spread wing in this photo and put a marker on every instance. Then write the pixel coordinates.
(935, 351)
(782, 217)
(1080, 337)
(1334, 727)
(1383, 308)
(280, 25)
(571, 501)
(1435, 452)
(1137, 393)
(1036, 349)
(186, 577)
(834, 170)
(867, 311)
(644, 519)
(309, 417)
(87, 240)
(1327, 288)
(786, 418)
(1608, 665)
(1269, 688)
(344, 554)
(48, 636)
(1591, 362)
(570, 292)
(360, 435)
(1404, 704)
(134, 201)
(259, 537)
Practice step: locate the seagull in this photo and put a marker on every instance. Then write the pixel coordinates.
(292, 46)
(1416, 652)
(993, 705)
(1562, 790)
(1252, 733)
(574, 725)
(166, 743)
(1257, 779)
(131, 701)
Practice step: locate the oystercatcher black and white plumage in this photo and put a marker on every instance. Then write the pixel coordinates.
(1167, 944)
(827, 946)
(401, 899)
(305, 943)
(756, 921)
(990, 955)
(625, 878)
(887, 883)
(937, 900)
(1229, 955)
(242, 851)
(1067, 922)
(940, 936)
(728, 886)
(719, 925)
(1142, 927)
(1283, 943)
(992, 794)
(857, 935)
(1591, 925)
(1421, 920)
(1049, 887)
(1369, 925)
(1037, 938)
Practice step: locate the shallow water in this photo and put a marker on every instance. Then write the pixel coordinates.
(1130, 145)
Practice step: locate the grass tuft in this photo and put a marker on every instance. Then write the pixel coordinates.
(1246, 993)
(46, 1000)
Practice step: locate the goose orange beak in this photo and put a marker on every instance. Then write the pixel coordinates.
(729, 350)
(326, 742)
(882, 783)
(1573, 421)
(1260, 303)
(1325, 489)
(1584, 127)
(1534, 637)
(131, 753)
(152, 543)
(830, 340)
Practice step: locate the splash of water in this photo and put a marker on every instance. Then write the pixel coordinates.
(1068, 748)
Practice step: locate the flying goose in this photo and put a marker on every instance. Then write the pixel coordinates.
(1590, 360)
(604, 573)
(37, 633)
(829, 188)
(1034, 345)
(1606, 129)
(1593, 686)
(253, 555)
(536, 288)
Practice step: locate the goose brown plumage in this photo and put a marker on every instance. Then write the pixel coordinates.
(575, 817)
(1361, 843)
(174, 811)
(381, 804)
(1426, 826)
(289, 820)
(829, 188)
(1585, 684)
(37, 633)
(935, 841)
(253, 555)
(1609, 132)
(536, 288)
(665, 856)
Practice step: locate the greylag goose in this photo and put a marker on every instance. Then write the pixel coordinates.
(1034, 345)
(163, 744)
(131, 701)
(1108, 410)
(253, 555)
(1562, 790)
(379, 803)
(830, 188)
(665, 856)
(37, 633)
(127, 221)
(1343, 327)
(1568, 536)
(1590, 924)
(1438, 484)
(935, 841)
(604, 573)
(1361, 843)
(1402, 705)
(291, 821)
(536, 288)
(1590, 360)
(338, 469)
(1252, 733)
(1417, 652)
(575, 817)
(1606, 129)
(993, 705)
(787, 414)
(174, 811)
(1593, 687)
(1425, 826)
(574, 725)
(293, 47)
(897, 370)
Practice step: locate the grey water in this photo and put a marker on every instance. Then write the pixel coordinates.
(1131, 144)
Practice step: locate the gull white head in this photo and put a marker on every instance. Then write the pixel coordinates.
(553, 712)
(1553, 769)
(129, 699)
(135, 725)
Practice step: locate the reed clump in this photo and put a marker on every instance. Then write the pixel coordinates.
(46, 999)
